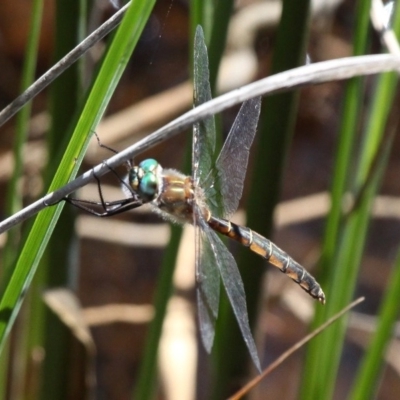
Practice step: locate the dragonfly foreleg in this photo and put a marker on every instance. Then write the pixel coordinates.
(104, 146)
(109, 208)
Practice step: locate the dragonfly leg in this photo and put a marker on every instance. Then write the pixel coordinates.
(109, 208)
(123, 182)
(104, 146)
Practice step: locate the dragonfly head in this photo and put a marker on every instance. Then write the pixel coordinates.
(145, 179)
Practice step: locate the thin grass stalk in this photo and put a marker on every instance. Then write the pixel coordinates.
(202, 13)
(14, 197)
(18, 371)
(367, 380)
(146, 383)
(14, 367)
(338, 69)
(216, 45)
(219, 33)
(100, 94)
(373, 139)
(366, 383)
(62, 65)
(65, 96)
(349, 123)
(196, 18)
(349, 126)
(35, 324)
(349, 257)
(4, 365)
(275, 132)
(215, 34)
(357, 224)
(349, 253)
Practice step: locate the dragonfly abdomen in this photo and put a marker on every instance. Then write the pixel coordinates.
(271, 252)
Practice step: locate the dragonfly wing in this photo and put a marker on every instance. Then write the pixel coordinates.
(208, 285)
(231, 165)
(206, 321)
(233, 284)
(203, 146)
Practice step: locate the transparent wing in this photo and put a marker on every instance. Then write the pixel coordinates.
(203, 146)
(208, 285)
(224, 185)
(212, 257)
(220, 257)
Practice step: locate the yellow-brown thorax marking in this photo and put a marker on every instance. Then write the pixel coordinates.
(176, 197)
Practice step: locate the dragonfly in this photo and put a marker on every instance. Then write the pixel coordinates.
(207, 199)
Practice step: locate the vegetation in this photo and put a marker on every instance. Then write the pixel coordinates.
(48, 351)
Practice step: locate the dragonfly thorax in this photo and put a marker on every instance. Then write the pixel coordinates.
(170, 192)
(176, 197)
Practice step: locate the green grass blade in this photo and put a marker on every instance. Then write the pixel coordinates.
(4, 371)
(367, 380)
(343, 283)
(219, 32)
(28, 75)
(324, 355)
(348, 131)
(107, 79)
(14, 197)
(202, 13)
(346, 265)
(343, 159)
(65, 98)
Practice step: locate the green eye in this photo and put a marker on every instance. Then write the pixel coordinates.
(148, 186)
(148, 165)
(143, 179)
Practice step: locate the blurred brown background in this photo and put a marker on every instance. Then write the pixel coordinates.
(154, 90)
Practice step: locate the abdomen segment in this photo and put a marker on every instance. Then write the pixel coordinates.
(271, 252)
